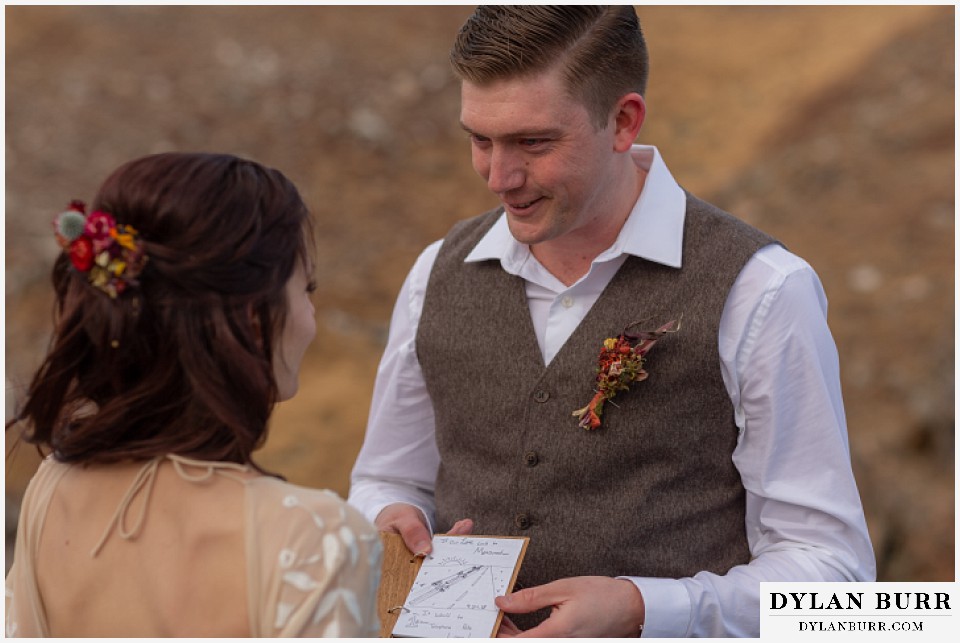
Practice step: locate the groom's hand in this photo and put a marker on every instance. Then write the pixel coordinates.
(582, 606)
(408, 521)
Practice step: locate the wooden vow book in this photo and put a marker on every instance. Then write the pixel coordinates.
(448, 594)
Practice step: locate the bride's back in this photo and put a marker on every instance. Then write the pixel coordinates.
(182, 575)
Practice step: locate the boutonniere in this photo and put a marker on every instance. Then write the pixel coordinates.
(620, 365)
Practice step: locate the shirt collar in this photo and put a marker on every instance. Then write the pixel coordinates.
(653, 231)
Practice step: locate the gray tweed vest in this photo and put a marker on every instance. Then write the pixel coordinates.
(653, 492)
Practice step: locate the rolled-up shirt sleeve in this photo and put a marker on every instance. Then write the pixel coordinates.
(804, 517)
(399, 460)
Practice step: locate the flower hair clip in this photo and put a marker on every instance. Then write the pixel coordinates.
(620, 364)
(110, 253)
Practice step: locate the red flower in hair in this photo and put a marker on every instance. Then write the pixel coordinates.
(81, 254)
(98, 227)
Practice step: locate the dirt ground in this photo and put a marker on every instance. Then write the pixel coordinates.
(830, 127)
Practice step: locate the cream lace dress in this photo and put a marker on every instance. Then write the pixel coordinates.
(180, 547)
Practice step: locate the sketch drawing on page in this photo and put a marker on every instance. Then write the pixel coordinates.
(453, 593)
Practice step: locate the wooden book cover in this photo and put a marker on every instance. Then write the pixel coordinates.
(399, 569)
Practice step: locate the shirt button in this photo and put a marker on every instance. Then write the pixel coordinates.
(531, 458)
(567, 301)
(541, 396)
(522, 521)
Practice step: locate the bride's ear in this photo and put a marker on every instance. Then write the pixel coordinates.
(256, 325)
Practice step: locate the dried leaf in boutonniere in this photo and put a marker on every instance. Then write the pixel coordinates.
(620, 365)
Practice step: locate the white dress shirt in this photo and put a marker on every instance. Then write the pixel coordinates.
(804, 519)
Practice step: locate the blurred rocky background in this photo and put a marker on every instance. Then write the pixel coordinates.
(830, 127)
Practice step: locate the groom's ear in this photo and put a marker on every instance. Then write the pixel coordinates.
(628, 117)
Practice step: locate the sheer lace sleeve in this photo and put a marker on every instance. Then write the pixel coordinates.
(25, 615)
(313, 563)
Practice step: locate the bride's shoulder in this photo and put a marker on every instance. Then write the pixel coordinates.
(276, 501)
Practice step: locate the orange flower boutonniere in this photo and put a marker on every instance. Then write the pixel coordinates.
(620, 365)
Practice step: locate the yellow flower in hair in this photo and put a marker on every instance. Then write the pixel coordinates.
(125, 238)
(610, 343)
(118, 267)
(99, 276)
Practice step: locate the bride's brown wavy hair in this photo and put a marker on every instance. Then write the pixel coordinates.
(183, 363)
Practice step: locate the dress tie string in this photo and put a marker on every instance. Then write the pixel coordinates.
(144, 479)
(144, 482)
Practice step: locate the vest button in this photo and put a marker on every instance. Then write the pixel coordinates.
(541, 396)
(531, 458)
(522, 521)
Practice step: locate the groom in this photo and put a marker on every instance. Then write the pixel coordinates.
(689, 487)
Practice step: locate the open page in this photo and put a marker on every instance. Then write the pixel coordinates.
(452, 595)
